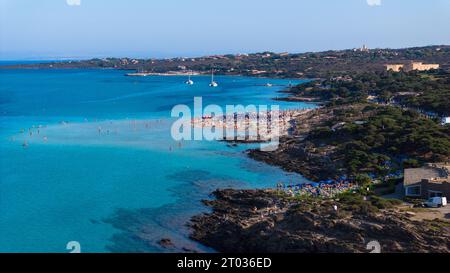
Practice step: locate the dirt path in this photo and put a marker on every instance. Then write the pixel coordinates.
(421, 214)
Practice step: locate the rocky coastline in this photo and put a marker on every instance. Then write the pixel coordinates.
(296, 154)
(264, 221)
(268, 221)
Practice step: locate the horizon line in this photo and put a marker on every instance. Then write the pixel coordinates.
(81, 58)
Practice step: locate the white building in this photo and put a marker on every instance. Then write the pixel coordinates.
(446, 120)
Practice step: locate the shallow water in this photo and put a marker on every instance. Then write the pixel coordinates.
(127, 185)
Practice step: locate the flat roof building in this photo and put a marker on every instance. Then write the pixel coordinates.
(419, 66)
(429, 181)
(394, 67)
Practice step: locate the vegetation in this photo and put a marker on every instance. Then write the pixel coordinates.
(392, 132)
(268, 64)
(355, 202)
(427, 91)
(383, 140)
(388, 186)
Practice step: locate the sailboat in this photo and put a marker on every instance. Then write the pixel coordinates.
(213, 83)
(189, 81)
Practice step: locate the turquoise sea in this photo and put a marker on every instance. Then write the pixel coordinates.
(99, 165)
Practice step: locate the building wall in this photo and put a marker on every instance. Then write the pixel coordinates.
(432, 177)
(419, 66)
(394, 67)
(411, 66)
(443, 187)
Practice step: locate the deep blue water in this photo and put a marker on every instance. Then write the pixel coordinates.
(127, 186)
(14, 62)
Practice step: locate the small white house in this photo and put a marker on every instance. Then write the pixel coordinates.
(446, 120)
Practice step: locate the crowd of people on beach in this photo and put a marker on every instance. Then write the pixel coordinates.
(259, 124)
(325, 189)
(263, 125)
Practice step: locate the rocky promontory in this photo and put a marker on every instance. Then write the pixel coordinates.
(266, 221)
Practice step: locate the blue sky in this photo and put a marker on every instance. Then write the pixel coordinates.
(150, 28)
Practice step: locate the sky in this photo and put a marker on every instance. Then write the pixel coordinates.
(55, 29)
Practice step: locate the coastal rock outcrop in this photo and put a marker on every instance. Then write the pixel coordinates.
(264, 221)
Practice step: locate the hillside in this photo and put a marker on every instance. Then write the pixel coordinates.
(301, 65)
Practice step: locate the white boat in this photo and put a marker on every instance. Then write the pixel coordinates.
(269, 84)
(213, 83)
(189, 81)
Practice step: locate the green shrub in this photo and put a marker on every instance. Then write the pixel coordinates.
(383, 203)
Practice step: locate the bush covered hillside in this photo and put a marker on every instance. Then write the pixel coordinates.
(324, 64)
(426, 91)
(384, 140)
